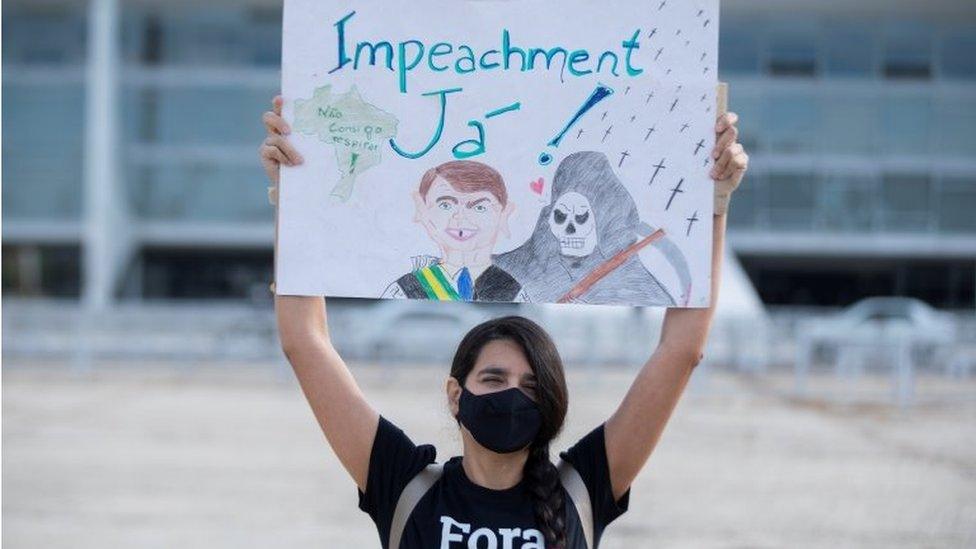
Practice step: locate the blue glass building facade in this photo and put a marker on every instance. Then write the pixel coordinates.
(859, 122)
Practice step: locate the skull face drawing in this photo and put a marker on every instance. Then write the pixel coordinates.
(590, 220)
(572, 223)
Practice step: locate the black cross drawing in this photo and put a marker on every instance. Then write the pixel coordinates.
(673, 105)
(650, 130)
(649, 96)
(691, 221)
(704, 95)
(704, 53)
(700, 12)
(679, 88)
(623, 155)
(675, 191)
(706, 162)
(663, 3)
(605, 134)
(657, 167)
(699, 146)
(652, 33)
(658, 54)
(683, 127)
(706, 23)
(604, 117)
(627, 90)
(678, 33)
(669, 71)
(580, 133)
(632, 118)
(704, 71)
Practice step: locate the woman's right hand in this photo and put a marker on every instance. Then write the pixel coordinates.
(275, 150)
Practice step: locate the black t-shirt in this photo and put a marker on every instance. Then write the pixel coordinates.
(457, 513)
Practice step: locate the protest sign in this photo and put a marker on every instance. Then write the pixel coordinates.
(490, 150)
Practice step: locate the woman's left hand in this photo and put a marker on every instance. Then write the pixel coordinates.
(730, 161)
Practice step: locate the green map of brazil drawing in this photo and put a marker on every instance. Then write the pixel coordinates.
(354, 129)
(532, 151)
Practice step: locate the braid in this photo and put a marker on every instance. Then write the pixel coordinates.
(548, 501)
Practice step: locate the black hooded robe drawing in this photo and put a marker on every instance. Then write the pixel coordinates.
(556, 257)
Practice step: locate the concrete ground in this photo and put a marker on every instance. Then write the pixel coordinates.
(231, 457)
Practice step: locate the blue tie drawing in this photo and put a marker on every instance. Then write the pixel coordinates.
(465, 288)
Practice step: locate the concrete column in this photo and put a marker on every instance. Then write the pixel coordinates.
(102, 243)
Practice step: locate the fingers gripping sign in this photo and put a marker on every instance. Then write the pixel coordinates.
(275, 150)
(731, 160)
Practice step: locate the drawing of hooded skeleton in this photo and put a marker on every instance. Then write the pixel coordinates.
(590, 219)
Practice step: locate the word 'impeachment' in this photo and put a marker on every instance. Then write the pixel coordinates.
(462, 58)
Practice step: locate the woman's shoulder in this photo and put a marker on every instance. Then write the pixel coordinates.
(593, 441)
(451, 467)
(392, 441)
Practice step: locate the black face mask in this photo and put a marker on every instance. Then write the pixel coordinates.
(503, 421)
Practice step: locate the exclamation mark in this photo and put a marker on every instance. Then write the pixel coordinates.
(599, 94)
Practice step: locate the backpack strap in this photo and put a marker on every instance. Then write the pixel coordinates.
(580, 496)
(409, 497)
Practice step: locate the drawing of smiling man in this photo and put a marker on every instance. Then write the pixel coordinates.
(463, 205)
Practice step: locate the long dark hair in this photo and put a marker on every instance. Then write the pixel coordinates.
(551, 396)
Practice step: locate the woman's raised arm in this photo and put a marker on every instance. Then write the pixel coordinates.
(346, 418)
(635, 427)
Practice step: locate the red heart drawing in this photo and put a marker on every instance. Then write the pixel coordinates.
(537, 185)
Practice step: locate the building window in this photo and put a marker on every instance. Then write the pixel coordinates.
(958, 53)
(847, 203)
(955, 122)
(749, 108)
(42, 271)
(906, 124)
(792, 50)
(265, 35)
(956, 203)
(43, 35)
(849, 124)
(215, 115)
(738, 48)
(792, 122)
(200, 191)
(174, 273)
(849, 49)
(747, 205)
(841, 281)
(791, 200)
(908, 51)
(42, 168)
(906, 202)
(209, 36)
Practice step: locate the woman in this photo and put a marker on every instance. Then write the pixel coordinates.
(507, 391)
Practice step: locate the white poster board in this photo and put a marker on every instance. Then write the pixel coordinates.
(499, 150)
